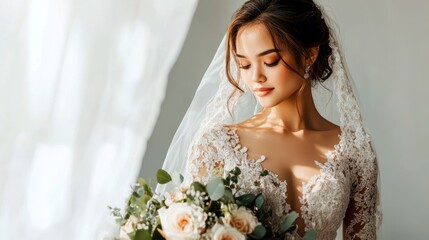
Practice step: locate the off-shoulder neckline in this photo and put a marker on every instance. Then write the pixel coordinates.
(306, 185)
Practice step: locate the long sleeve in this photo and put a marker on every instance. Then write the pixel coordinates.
(362, 215)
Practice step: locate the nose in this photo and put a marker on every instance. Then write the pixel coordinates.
(258, 75)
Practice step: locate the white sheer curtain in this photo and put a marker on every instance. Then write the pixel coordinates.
(81, 84)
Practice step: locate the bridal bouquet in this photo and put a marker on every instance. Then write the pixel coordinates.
(201, 211)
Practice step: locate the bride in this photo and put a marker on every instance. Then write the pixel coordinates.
(271, 108)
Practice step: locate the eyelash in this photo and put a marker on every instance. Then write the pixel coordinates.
(267, 64)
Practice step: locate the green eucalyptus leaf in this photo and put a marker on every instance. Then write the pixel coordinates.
(259, 201)
(142, 182)
(228, 180)
(140, 191)
(119, 221)
(259, 232)
(216, 188)
(246, 198)
(228, 197)
(287, 223)
(163, 177)
(135, 194)
(132, 201)
(142, 234)
(198, 187)
(131, 235)
(148, 190)
(146, 199)
(309, 235)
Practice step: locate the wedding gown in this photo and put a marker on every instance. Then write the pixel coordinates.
(346, 182)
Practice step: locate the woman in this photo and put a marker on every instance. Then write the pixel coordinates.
(284, 50)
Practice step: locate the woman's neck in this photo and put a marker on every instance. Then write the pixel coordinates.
(294, 114)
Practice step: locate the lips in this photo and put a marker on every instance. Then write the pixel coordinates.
(260, 92)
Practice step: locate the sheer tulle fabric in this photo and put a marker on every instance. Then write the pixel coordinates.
(75, 110)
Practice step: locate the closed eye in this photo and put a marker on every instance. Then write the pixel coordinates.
(267, 64)
(273, 63)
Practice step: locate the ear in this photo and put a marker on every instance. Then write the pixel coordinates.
(314, 51)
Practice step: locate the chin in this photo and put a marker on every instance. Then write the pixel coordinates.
(268, 104)
(272, 101)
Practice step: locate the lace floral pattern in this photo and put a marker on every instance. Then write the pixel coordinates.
(344, 190)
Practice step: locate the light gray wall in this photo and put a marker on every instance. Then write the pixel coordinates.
(386, 47)
(205, 34)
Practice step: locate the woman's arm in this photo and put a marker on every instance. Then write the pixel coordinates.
(360, 221)
(204, 159)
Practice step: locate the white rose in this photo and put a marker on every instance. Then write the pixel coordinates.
(128, 228)
(243, 220)
(182, 221)
(171, 197)
(225, 232)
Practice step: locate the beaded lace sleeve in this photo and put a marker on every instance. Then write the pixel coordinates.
(362, 215)
(206, 157)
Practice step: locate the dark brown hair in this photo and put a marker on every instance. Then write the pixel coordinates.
(295, 24)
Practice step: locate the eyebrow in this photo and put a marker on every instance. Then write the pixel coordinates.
(260, 54)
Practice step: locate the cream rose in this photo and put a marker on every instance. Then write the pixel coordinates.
(182, 221)
(128, 228)
(243, 220)
(225, 232)
(171, 197)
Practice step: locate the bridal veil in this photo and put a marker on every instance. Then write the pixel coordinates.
(216, 101)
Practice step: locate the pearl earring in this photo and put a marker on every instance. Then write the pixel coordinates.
(306, 73)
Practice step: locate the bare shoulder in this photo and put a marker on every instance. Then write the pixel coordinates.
(330, 135)
(332, 129)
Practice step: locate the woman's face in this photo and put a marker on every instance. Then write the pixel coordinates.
(262, 70)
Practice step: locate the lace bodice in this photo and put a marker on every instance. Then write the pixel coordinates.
(345, 190)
